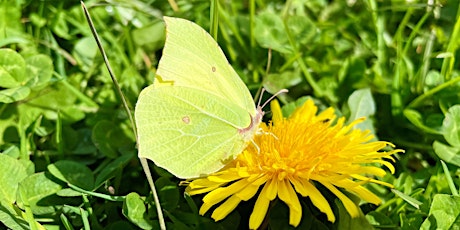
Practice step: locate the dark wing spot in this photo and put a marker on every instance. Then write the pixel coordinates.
(213, 69)
(186, 119)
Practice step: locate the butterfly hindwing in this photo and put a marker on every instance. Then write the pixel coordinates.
(187, 131)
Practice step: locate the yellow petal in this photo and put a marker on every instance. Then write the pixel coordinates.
(327, 114)
(192, 192)
(202, 183)
(387, 164)
(366, 195)
(220, 194)
(372, 170)
(363, 178)
(349, 205)
(271, 189)
(277, 114)
(260, 209)
(258, 179)
(205, 207)
(319, 201)
(299, 187)
(306, 112)
(288, 195)
(224, 209)
(224, 177)
(248, 192)
(199, 186)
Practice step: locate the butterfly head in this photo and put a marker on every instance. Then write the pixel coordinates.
(250, 131)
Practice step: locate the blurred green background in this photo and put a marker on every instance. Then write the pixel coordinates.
(68, 157)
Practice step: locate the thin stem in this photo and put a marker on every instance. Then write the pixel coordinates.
(125, 104)
(214, 19)
(450, 182)
(109, 68)
(448, 63)
(173, 5)
(95, 194)
(146, 168)
(417, 101)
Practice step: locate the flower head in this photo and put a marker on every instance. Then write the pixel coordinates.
(288, 157)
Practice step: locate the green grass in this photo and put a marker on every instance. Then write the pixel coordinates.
(68, 150)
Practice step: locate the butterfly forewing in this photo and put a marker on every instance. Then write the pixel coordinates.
(191, 58)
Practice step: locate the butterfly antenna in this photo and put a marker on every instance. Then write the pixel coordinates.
(272, 97)
(260, 97)
(263, 89)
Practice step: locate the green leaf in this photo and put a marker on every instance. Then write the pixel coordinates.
(55, 100)
(10, 20)
(7, 80)
(12, 69)
(447, 153)
(444, 213)
(451, 126)
(108, 137)
(289, 108)
(302, 29)
(39, 193)
(169, 193)
(352, 70)
(378, 219)
(37, 20)
(134, 209)
(14, 94)
(29, 165)
(39, 69)
(18, 76)
(346, 222)
(12, 172)
(416, 119)
(410, 200)
(11, 220)
(68, 192)
(73, 173)
(59, 25)
(278, 81)
(362, 104)
(411, 220)
(143, 36)
(270, 33)
(114, 166)
(10, 150)
(85, 51)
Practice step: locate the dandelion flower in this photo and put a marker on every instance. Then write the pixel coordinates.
(289, 157)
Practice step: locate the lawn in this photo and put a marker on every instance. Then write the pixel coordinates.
(373, 107)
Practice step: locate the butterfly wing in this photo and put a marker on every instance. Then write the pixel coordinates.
(188, 132)
(192, 58)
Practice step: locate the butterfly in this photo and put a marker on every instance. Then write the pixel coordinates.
(198, 114)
